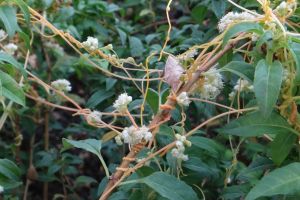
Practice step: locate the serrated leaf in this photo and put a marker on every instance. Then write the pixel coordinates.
(281, 146)
(11, 89)
(241, 69)
(255, 124)
(284, 181)
(242, 27)
(173, 71)
(169, 187)
(9, 19)
(267, 84)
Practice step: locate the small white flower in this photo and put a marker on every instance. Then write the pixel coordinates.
(94, 117)
(213, 84)
(133, 135)
(179, 145)
(243, 85)
(121, 103)
(91, 43)
(240, 86)
(2, 34)
(183, 99)
(10, 48)
(1, 189)
(109, 47)
(233, 17)
(184, 157)
(62, 85)
(175, 153)
(118, 140)
(231, 95)
(285, 75)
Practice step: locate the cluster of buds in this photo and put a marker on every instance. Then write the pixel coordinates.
(233, 17)
(212, 84)
(178, 152)
(286, 8)
(62, 85)
(122, 102)
(134, 135)
(94, 117)
(183, 99)
(91, 43)
(188, 54)
(240, 86)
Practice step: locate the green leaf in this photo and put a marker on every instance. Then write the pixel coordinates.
(295, 51)
(254, 171)
(281, 146)
(241, 69)
(209, 145)
(84, 181)
(153, 100)
(9, 59)
(123, 36)
(91, 145)
(11, 89)
(255, 124)
(25, 38)
(242, 27)
(169, 187)
(98, 97)
(136, 46)
(218, 7)
(9, 19)
(199, 13)
(285, 181)
(267, 83)
(24, 8)
(9, 170)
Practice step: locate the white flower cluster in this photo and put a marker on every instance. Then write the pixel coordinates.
(241, 85)
(62, 85)
(1, 189)
(2, 34)
(10, 48)
(121, 103)
(94, 117)
(213, 84)
(91, 43)
(183, 99)
(134, 135)
(233, 17)
(178, 152)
